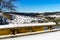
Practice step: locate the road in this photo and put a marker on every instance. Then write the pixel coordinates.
(44, 36)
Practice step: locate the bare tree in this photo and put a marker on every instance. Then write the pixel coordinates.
(7, 5)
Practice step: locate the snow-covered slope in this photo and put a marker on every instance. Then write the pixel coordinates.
(21, 19)
(44, 36)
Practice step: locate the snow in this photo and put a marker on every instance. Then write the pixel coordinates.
(26, 25)
(44, 36)
(54, 16)
(20, 19)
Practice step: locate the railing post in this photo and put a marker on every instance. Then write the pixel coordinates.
(17, 30)
(30, 29)
(13, 31)
(50, 27)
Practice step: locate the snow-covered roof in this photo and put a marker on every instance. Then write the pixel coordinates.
(27, 25)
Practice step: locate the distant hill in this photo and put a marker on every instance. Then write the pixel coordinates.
(25, 14)
(51, 13)
(34, 14)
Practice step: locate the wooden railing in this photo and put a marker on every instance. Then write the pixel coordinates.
(13, 31)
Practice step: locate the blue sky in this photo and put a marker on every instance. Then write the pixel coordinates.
(38, 5)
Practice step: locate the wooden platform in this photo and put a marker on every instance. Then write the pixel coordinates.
(21, 29)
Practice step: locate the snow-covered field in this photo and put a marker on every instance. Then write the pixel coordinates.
(44, 36)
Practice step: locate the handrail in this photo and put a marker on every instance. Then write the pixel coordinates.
(26, 25)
